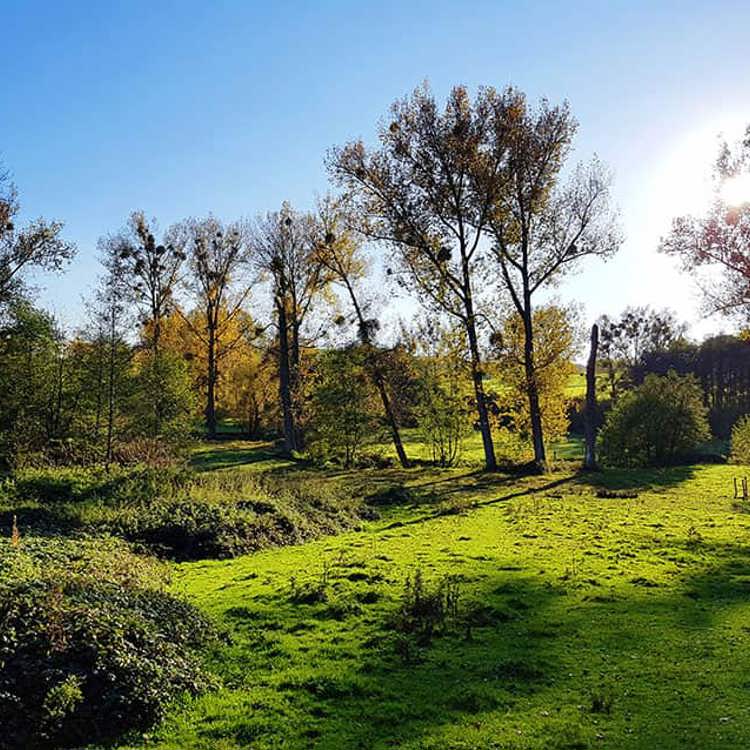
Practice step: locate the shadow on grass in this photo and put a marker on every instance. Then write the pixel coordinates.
(590, 659)
(53, 521)
(214, 458)
(636, 479)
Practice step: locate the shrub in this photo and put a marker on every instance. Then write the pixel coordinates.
(344, 407)
(740, 453)
(176, 514)
(656, 423)
(229, 516)
(426, 609)
(443, 405)
(91, 645)
(190, 529)
(152, 452)
(442, 415)
(78, 484)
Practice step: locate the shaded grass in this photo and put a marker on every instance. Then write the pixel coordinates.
(237, 453)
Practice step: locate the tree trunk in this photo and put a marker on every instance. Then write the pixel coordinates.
(476, 376)
(111, 391)
(589, 412)
(532, 389)
(253, 421)
(211, 385)
(285, 393)
(377, 376)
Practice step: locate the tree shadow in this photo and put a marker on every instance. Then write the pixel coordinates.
(51, 521)
(213, 459)
(636, 479)
(583, 655)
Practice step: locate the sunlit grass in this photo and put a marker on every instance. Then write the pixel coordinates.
(614, 612)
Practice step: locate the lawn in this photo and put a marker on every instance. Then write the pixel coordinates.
(601, 611)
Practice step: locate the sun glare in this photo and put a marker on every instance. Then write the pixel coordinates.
(736, 190)
(682, 181)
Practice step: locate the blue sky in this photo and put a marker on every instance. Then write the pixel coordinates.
(181, 108)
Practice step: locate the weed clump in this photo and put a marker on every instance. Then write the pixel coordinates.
(609, 494)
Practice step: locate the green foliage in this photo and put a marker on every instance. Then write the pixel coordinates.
(740, 447)
(656, 423)
(444, 401)
(443, 406)
(721, 364)
(164, 402)
(91, 643)
(344, 409)
(30, 350)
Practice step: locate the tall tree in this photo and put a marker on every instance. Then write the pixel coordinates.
(284, 245)
(556, 338)
(720, 240)
(219, 259)
(429, 191)
(540, 228)
(341, 254)
(112, 311)
(38, 245)
(150, 272)
(30, 345)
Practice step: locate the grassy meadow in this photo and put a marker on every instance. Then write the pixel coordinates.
(609, 610)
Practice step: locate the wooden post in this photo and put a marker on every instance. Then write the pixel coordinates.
(589, 411)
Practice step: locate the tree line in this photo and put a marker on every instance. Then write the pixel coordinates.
(472, 208)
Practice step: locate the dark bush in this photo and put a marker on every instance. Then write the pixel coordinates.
(657, 423)
(211, 521)
(191, 529)
(576, 418)
(397, 494)
(91, 646)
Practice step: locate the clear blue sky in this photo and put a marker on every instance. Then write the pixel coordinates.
(181, 108)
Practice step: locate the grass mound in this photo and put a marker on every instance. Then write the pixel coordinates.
(177, 514)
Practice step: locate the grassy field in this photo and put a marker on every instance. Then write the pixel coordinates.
(603, 611)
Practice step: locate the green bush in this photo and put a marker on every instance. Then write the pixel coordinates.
(740, 451)
(175, 514)
(190, 529)
(194, 529)
(344, 410)
(78, 484)
(656, 423)
(90, 644)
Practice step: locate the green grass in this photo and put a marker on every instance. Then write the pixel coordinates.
(606, 611)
